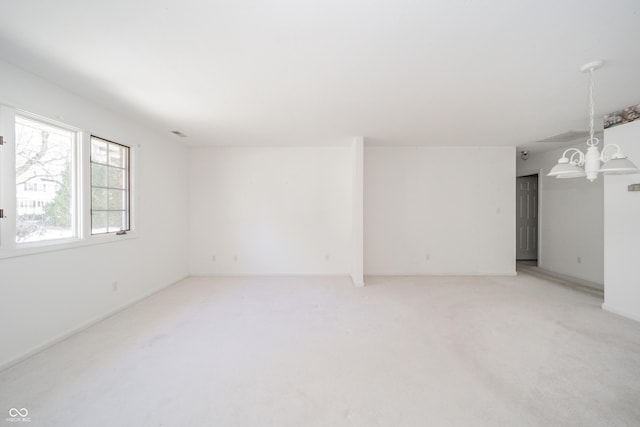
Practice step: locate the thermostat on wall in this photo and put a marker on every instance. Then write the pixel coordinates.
(634, 187)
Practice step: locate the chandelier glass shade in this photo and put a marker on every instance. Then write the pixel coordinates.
(576, 164)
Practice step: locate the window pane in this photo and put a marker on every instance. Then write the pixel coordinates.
(44, 181)
(98, 222)
(99, 199)
(117, 221)
(99, 175)
(98, 151)
(117, 178)
(117, 200)
(117, 155)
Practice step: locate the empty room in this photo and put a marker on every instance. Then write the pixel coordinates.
(319, 213)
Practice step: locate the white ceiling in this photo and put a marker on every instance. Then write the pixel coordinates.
(300, 72)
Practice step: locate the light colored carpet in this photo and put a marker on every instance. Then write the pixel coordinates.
(437, 351)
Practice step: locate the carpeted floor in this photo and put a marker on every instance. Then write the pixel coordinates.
(410, 351)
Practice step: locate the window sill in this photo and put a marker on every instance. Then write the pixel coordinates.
(61, 245)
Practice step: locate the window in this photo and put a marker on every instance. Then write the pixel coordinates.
(45, 153)
(109, 186)
(60, 187)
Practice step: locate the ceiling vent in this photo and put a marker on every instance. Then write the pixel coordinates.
(178, 133)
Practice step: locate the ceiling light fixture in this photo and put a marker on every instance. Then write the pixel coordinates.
(578, 164)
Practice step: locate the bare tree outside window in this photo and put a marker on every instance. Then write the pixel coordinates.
(44, 181)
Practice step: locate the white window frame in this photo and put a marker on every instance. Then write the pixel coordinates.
(76, 181)
(8, 246)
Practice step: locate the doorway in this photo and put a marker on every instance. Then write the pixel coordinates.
(527, 219)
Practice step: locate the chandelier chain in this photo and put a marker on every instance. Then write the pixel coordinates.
(592, 142)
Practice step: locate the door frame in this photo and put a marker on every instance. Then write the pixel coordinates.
(538, 172)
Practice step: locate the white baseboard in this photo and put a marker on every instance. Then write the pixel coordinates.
(445, 274)
(566, 278)
(357, 280)
(51, 342)
(249, 275)
(623, 313)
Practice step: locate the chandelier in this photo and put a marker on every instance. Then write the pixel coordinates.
(575, 164)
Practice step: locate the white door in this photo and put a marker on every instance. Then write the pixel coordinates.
(527, 217)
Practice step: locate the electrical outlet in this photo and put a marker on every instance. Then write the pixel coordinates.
(427, 257)
(213, 258)
(235, 258)
(579, 260)
(114, 286)
(327, 258)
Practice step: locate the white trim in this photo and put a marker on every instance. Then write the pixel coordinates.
(84, 191)
(445, 274)
(357, 212)
(51, 342)
(348, 276)
(623, 313)
(345, 276)
(529, 173)
(7, 178)
(62, 245)
(357, 280)
(557, 277)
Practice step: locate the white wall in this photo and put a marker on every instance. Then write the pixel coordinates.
(278, 210)
(47, 296)
(570, 220)
(436, 210)
(622, 228)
